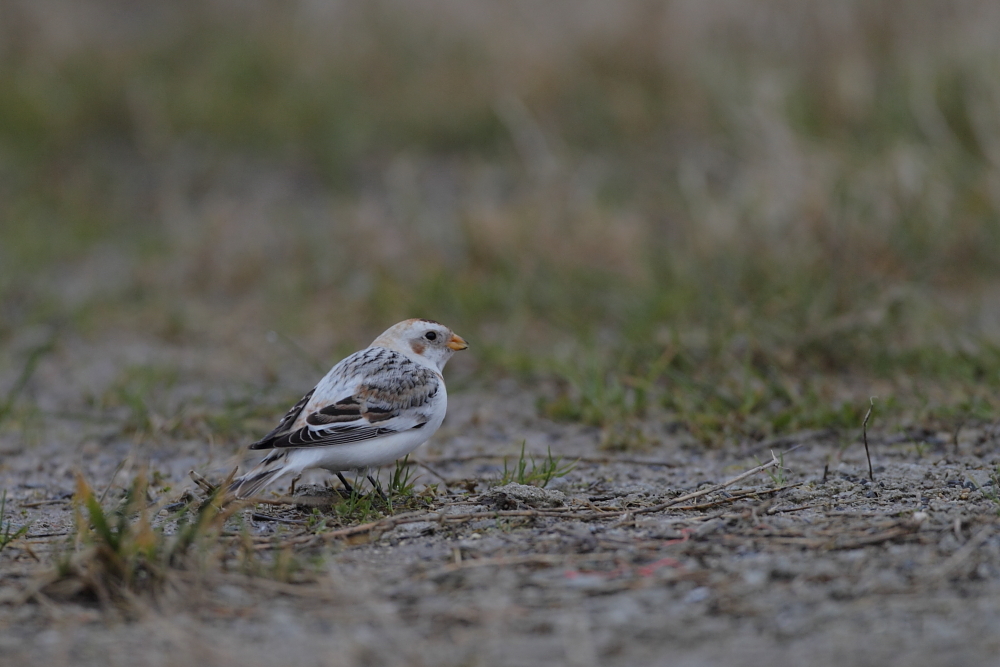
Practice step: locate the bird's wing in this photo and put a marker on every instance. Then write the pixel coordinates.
(372, 393)
(284, 426)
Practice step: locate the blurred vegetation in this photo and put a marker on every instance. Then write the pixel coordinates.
(744, 217)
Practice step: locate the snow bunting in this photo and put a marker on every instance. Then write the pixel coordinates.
(372, 408)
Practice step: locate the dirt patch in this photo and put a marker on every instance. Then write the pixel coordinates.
(808, 563)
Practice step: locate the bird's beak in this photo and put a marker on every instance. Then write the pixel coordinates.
(457, 343)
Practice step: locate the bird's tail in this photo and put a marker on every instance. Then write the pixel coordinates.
(263, 474)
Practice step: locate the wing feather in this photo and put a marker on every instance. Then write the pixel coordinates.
(385, 393)
(286, 422)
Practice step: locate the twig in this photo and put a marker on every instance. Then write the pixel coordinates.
(870, 540)
(712, 489)
(741, 496)
(388, 523)
(210, 488)
(54, 501)
(799, 508)
(956, 559)
(383, 524)
(434, 472)
(414, 517)
(112, 480)
(587, 503)
(304, 501)
(205, 485)
(257, 516)
(864, 434)
(958, 431)
(836, 543)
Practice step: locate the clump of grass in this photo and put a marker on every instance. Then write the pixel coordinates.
(7, 532)
(316, 521)
(528, 471)
(357, 507)
(778, 473)
(120, 554)
(402, 482)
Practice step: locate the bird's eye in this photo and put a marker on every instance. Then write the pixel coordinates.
(430, 335)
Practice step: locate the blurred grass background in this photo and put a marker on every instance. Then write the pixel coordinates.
(741, 218)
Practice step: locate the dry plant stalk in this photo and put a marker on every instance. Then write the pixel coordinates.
(712, 489)
(864, 435)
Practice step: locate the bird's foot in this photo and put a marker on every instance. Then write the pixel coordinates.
(377, 488)
(347, 485)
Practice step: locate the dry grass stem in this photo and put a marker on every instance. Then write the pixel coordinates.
(712, 489)
(864, 434)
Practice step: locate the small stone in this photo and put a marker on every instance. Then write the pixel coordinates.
(415, 529)
(513, 495)
(699, 594)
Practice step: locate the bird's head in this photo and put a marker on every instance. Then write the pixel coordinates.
(425, 341)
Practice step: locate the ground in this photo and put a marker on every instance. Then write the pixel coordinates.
(827, 569)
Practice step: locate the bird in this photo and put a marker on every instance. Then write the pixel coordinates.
(371, 408)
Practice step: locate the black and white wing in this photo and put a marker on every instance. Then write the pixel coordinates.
(369, 394)
(286, 423)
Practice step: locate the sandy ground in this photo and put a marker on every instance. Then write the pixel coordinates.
(831, 570)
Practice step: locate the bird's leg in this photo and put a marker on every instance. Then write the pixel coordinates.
(291, 491)
(347, 485)
(378, 487)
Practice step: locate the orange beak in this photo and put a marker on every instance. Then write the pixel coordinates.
(457, 343)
